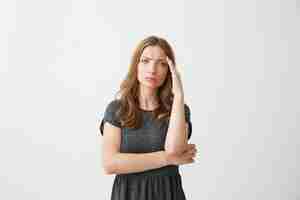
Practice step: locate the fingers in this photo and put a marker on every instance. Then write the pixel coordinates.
(188, 161)
(190, 146)
(188, 156)
(171, 66)
(190, 152)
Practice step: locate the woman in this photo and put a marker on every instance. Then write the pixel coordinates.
(148, 128)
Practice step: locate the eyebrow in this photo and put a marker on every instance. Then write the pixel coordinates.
(161, 59)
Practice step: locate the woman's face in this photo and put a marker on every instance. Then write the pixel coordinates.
(152, 67)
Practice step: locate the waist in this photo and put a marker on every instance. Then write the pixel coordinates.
(170, 170)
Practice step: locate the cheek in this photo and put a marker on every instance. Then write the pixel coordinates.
(163, 76)
(140, 72)
(164, 73)
(140, 68)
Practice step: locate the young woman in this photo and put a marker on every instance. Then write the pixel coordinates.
(149, 124)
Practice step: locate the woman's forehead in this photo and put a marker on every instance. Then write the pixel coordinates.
(154, 52)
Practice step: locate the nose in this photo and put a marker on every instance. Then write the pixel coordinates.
(152, 68)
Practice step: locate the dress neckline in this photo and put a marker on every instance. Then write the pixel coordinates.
(143, 110)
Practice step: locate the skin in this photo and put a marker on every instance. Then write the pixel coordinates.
(152, 64)
(114, 162)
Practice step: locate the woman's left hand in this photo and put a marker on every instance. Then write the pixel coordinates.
(177, 87)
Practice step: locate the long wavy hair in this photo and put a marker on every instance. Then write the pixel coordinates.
(128, 94)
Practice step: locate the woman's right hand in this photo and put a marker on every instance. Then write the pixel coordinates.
(185, 158)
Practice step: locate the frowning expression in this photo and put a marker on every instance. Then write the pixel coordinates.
(152, 67)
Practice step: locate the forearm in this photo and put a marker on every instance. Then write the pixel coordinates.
(176, 139)
(120, 163)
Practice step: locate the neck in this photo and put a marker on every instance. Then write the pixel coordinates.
(148, 97)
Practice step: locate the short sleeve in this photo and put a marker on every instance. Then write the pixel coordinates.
(187, 112)
(110, 115)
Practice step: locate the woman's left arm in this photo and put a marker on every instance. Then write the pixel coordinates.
(177, 133)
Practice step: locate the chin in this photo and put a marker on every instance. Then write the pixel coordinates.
(149, 85)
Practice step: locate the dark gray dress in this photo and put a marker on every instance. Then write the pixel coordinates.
(157, 184)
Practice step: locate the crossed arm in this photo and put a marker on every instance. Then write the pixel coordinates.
(115, 162)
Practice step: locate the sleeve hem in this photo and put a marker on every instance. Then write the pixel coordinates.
(109, 121)
(190, 129)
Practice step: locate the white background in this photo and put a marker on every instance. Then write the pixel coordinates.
(62, 62)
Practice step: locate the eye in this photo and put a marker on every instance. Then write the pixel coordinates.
(164, 64)
(144, 61)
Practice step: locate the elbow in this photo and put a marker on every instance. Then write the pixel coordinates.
(109, 165)
(108, 169)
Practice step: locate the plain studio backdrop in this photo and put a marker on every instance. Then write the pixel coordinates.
(62, 62)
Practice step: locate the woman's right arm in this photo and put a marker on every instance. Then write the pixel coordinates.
(115, 162)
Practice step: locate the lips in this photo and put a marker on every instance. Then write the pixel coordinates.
(151, 78)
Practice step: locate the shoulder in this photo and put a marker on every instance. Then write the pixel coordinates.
(113, 105)
(110, 115)
(187, 107)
